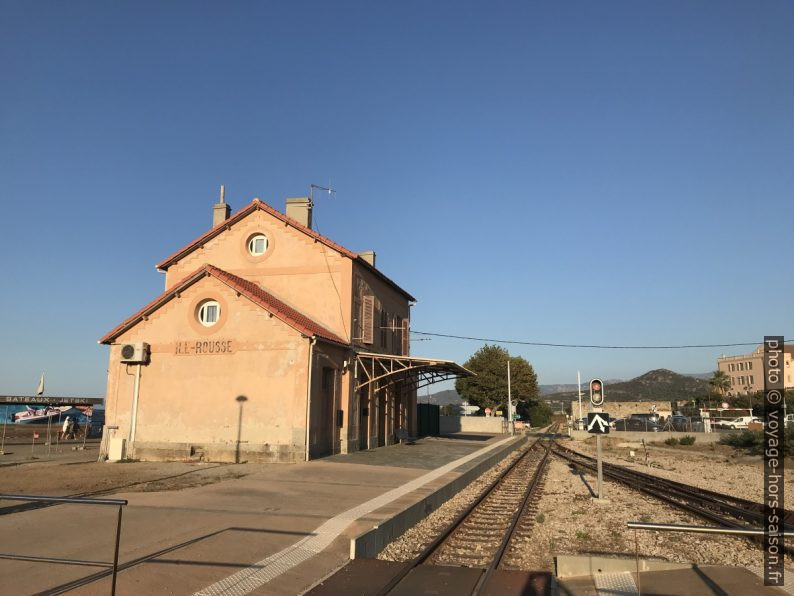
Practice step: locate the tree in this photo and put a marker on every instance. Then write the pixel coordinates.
(489, 388)
(539, 413)
(720, 383)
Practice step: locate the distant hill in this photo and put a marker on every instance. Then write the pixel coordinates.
(565, 387)
(660, 384)
(442, 398)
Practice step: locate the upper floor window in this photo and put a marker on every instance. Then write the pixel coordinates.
(384, 327)
(257, 245)
(208, 313)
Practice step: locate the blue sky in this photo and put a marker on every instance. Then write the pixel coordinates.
(569, 172)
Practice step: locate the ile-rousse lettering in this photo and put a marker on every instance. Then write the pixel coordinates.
(203, 346)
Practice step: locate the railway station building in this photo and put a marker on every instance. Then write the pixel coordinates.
(269, 343)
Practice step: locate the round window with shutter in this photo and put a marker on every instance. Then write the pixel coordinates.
(208, 312)
(258, 245)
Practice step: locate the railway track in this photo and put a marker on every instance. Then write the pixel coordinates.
(486, 536)
(724, 510)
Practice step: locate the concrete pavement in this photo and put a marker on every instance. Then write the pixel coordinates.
(183, 541)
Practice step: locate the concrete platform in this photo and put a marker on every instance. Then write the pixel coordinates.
(277, 531)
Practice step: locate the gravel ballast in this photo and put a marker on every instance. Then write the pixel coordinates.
(720, 470)
(570, 521)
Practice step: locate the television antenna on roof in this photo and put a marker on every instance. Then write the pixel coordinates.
(312, 187)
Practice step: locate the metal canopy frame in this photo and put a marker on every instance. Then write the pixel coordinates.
(382, 370)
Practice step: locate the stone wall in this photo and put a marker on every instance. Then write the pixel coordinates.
(473, 424)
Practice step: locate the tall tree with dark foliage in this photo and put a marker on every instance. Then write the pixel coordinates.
(489, 388)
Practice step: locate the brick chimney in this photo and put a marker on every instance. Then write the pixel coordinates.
(220, 210)
(300, 209)
(368, 256)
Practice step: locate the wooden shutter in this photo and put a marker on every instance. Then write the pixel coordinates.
(367, 319)
(406, 339)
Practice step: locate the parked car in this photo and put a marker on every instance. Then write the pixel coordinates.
(637, 423)
(650, 417)
(687, 423)
(740, 423)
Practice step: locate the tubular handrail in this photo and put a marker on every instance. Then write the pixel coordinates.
(73, 501)
(700, 529)
(686, 528)
(78, 500)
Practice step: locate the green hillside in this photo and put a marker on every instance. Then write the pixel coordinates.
(660, 384)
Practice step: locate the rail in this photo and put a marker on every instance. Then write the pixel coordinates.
(73, 501)
(508, 535)
(434, 546)
(744, 509)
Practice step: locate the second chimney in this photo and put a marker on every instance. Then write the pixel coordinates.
(221, 209)
(368, 256)
(300, 210)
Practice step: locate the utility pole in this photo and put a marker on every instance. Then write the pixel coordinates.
(509, 400)
(579, 384)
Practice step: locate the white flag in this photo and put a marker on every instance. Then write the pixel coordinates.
(40, 389)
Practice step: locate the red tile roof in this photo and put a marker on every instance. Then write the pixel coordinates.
(250, 290)
(258, 204)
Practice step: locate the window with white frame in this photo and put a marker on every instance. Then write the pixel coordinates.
(257, 245)
(208, 312)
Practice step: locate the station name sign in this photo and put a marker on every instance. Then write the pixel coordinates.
(201, 347)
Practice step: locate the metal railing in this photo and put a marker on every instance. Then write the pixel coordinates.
(686, 528)
(700, 529)
(73, 501)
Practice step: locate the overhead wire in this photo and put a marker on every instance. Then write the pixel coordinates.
(591, 346)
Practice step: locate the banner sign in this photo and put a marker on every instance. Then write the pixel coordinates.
(53, 400)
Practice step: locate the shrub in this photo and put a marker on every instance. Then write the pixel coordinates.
(671, 441)
(687, 440)
(750, 440)
(540, 517)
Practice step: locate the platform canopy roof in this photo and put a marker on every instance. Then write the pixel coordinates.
(381, 370)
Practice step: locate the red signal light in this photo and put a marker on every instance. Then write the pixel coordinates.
(596, 392)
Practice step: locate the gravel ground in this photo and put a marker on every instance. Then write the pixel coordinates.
(58, 478)
(721, 469)
(573, 523)
(569, 521)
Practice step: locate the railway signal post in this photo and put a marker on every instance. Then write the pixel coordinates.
(598, 424)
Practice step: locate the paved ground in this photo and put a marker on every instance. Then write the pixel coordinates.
(179, 542)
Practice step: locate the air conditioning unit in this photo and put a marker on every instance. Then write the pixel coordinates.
(137, 353)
